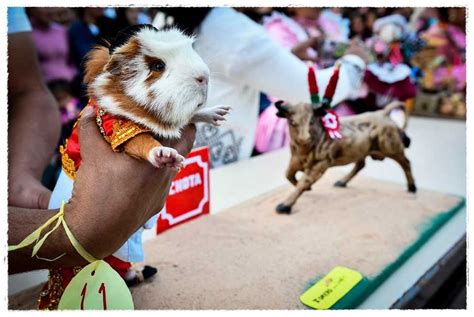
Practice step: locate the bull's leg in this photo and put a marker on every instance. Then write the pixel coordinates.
(304, 183)
(291, 171)
(357, 167)
(405, 164)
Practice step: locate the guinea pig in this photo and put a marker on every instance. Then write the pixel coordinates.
(155, 80)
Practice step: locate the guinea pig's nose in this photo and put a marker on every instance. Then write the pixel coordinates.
(202, 80)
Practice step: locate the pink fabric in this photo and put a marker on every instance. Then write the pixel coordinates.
(53, 52)
(334, 26)
(451, 41)
(272, 132)
(380, 47)
(457, 72)
(343, 110)
(287, 32)
(281, 32)
(310, 26)
(457, 35)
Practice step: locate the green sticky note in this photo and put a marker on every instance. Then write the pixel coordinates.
(331, 288)
(97, 286)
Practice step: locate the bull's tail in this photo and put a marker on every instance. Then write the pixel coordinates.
(397, 112)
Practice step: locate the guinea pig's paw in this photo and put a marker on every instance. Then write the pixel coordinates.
(162, 156)
(218, 114)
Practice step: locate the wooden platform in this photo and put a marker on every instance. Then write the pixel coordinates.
(249, 257)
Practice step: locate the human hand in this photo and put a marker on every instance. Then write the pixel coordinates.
(115, 194)
(358, 48)
(26, 191)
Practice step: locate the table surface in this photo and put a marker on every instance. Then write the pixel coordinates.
(438, 160)
(438, 157)
(242, 181)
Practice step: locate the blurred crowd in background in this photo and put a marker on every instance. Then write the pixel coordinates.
(416, 55)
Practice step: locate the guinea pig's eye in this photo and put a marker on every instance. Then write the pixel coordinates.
(158, 66)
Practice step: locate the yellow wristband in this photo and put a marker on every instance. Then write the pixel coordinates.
(34, 237)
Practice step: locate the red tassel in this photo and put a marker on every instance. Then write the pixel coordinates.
(313, 85)
(331, 88)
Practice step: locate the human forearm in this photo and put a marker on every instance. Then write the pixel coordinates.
(265, 66)
(34, 125)
(113, 196)
(282, 75)
(103, 217)
(32, 141)
(22, 222)
(96, 230)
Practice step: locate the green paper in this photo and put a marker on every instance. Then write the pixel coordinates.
(97, 286)
(330, 289)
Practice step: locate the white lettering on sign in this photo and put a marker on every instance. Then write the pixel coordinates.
(185, 183)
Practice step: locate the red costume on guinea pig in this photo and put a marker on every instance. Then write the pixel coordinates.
(115, 130)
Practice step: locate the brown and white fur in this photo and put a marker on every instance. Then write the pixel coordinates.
(156, 79)
(372, 134)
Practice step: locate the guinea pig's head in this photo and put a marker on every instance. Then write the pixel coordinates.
(149, 76)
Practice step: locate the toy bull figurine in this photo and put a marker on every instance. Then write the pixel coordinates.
(319, 141)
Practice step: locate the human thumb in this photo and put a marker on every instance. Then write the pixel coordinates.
(90, 139)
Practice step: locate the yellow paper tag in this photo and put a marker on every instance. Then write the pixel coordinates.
(97, 286)
(331, 288)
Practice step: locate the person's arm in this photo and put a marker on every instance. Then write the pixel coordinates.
(246, 53)
(113, 196)
(34, 125)
(277, 72)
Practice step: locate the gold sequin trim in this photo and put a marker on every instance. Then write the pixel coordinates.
(122, 131)
(68, 164)
(54, 290)
(98, 120)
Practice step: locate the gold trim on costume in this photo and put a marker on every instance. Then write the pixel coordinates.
(68, 164)
(54, 289)
(122, 130)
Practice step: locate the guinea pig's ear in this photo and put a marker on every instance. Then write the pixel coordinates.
(95, 64)
(113, 65)
(283, 110)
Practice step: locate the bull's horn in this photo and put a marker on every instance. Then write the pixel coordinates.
(282, 109)
(280, 106)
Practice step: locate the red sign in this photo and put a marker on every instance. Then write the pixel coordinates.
(189, 193)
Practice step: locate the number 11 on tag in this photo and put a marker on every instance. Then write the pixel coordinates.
(99, 287)
(101, 291)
